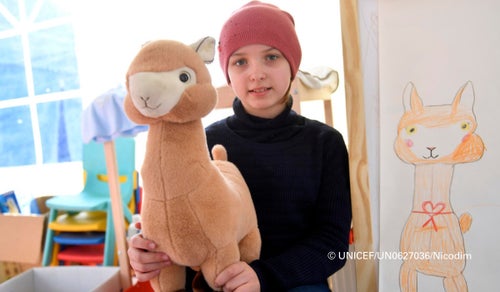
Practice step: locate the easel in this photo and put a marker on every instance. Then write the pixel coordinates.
(358, 160)
(117, 209)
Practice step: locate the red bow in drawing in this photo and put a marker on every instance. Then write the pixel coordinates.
(432, 210)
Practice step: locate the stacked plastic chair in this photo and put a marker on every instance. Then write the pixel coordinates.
(83, 223)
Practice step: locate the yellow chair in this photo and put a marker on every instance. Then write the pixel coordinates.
(90, 210)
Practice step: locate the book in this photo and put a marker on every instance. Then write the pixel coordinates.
(8, 203)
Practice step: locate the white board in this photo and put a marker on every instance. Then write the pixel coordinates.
(439, 46)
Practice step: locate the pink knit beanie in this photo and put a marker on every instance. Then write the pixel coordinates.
(260, 23)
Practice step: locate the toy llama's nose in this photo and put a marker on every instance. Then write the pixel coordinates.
(155, 94)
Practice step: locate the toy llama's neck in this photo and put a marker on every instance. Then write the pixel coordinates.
(432, 186)
(178, 151)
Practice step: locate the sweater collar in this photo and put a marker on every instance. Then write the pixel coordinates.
(264, 130)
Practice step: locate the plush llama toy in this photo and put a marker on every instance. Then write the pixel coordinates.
(198, 210)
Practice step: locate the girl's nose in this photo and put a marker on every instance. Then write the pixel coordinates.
(257, 72)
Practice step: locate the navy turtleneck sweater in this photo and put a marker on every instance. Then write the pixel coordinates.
(297, 172)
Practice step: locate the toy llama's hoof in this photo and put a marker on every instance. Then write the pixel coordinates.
(199, 284)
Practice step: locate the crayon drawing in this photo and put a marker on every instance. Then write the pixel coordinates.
(439, 191)
(435, 138)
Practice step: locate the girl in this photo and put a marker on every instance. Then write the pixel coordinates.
(296, 168)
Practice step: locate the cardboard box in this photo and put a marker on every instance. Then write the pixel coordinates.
(65, 278)
(22, 238)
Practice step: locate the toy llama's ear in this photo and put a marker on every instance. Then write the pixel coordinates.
(205, 48)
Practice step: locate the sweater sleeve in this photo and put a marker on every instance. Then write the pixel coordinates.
(307, 261)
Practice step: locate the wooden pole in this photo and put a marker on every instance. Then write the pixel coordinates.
(360, 195)
(117, 209)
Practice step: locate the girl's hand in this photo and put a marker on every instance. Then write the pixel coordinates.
(238, 277)
(145, 259)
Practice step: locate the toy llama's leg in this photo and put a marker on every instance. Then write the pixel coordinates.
(456, 283)
(219, 260)
(408, 278)
(171, 278)
(250, 246)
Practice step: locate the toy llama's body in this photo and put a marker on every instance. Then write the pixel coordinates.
(199, 211)
(434, 139)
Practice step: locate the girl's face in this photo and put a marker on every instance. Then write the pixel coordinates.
(260, 76)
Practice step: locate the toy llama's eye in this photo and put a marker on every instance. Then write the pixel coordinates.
(184, 77)
(410, 130)
(465, 126)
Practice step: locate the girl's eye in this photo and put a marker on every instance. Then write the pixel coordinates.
(272, 57)
(410, 130)
(240, 62)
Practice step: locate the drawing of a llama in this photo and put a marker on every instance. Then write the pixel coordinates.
(434, 139)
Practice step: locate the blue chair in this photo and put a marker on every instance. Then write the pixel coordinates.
(94, 200)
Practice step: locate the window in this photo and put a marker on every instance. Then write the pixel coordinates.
(40, 103)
